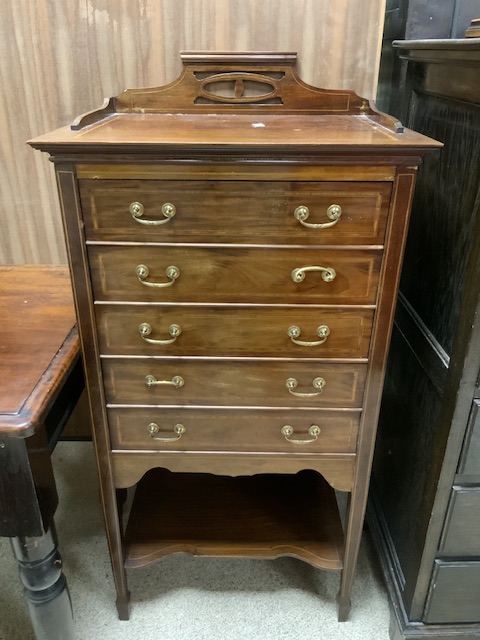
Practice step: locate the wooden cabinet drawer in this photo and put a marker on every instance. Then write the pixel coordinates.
(233, 430)
(470, 458)
(234, 274)
(234, 330)
(454, 593)
(238, 383)
(461, 536)
(239, 212)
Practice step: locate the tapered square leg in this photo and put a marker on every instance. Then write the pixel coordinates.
(123, 606)
(344, 605)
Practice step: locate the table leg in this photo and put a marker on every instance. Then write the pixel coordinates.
(46, 590)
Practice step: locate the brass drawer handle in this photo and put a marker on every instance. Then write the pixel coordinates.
(294, 332)
(137, 210)
(328, 273)
(145, 330)
(178, 429)
(176, 381)
(317, 383)
(287, 431)
(143, 272)
(334, 212)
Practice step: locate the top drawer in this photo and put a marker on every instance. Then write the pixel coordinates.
(236, 211)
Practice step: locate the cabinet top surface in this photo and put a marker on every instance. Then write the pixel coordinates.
(234, 130)
(453, 44)
(465, 53)
(251, 102)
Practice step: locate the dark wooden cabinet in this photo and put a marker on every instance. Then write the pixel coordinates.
(425, 490)
(415, 20)
(235, 240)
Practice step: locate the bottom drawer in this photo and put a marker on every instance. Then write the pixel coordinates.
(233, 430)
(454, 593)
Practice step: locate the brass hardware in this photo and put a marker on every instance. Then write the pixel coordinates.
(176, 381)
(143, 271)
(334, 212)
(317, 383)
(145, 330)
(364, 108)
(137, 210)
(178, 429)
(294, 332)
(328, 273)
(287, 431)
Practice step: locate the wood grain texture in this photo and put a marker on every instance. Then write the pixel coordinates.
(263, 210)
(130, 466)
(59, 60)
(38, 342)
(243, 331)
(233, 275)
(263, 516)
(233, 430)
(218, 382)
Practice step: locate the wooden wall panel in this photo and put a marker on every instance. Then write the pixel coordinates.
(59, 59)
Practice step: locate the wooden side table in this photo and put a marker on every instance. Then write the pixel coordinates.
(41, 381)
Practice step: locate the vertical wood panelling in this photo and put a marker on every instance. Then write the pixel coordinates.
(60, 59)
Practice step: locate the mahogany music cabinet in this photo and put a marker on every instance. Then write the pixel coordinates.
(235, 240)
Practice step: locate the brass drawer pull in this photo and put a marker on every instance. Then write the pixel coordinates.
(137, 210)
(294, 332)
(334, 212)
(287, 431)
(328, 273)
(317, 383)
(178, 429)
(145, 330)
(143, 272)
(176, 381)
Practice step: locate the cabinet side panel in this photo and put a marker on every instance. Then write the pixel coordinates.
(443, 215)
(73, 226)
(405, 454)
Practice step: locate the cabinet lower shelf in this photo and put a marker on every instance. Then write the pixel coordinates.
(260, 516)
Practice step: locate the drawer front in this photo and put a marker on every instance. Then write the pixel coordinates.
(295, 383)
(234, 275)
(454, 593)
(234, 331)
(232, 430)
(470, 459)
(238, 212)
(462, 530)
